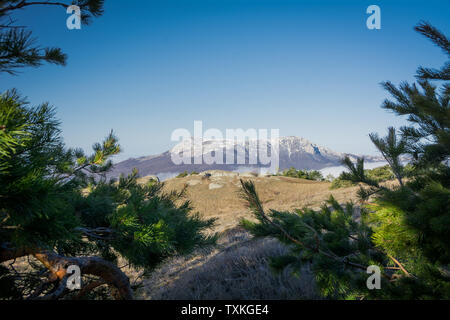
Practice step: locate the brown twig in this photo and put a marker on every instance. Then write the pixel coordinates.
(399, 265)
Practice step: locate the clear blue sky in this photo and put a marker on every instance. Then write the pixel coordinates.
(309, 68)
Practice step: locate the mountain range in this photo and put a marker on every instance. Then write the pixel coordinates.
(293, 152)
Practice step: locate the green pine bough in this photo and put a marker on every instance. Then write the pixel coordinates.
(403, 229)
(57, 206)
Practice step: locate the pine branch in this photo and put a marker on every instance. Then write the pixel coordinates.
(24, 4)
(249, 194)
(94, 7)
(17, 49)
(439, 39)
(432, 33)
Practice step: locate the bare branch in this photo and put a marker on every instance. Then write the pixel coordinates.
(57, 265)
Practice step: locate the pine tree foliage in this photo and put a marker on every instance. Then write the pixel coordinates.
(379, 174)
(57, 206)
(391, 149)
(427, 110)
(441, 41)
(18, 47)
(404, 230)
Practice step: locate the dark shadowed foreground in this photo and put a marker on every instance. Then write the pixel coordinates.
(236, 269)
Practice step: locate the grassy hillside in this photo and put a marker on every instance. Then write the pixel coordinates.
(218, 196)
(237, 268)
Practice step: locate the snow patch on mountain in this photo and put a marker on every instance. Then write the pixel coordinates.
(295, 152)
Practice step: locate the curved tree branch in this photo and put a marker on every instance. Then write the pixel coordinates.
(23, 4)
(110, 273)
(58, 264)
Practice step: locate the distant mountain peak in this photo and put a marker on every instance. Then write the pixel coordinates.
(294, 152)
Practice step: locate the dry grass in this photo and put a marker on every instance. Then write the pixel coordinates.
(236, 269)
(279, 193)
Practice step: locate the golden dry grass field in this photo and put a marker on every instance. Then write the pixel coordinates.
(218, 196)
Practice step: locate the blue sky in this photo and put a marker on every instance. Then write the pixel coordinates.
(309, 68)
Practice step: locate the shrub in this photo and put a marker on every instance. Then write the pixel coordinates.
(303, 174)
(57, 206)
